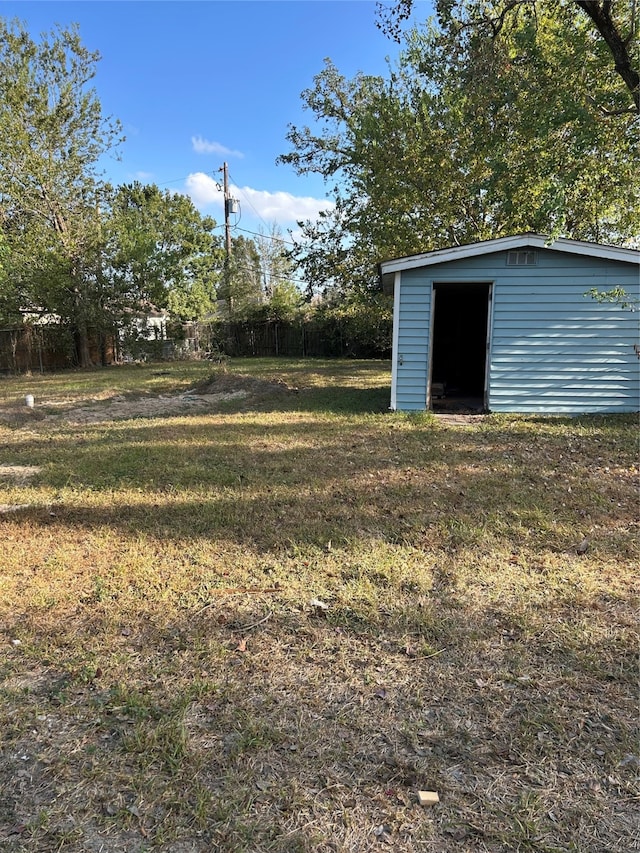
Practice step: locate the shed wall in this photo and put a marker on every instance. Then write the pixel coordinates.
(552, 349)
(412, 351)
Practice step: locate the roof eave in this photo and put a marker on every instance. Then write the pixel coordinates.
(501, 244)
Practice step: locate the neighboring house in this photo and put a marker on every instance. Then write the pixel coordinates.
(151, 323)
(509, 323)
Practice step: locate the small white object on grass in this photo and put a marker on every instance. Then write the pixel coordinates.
(29, 401)
(428, 798)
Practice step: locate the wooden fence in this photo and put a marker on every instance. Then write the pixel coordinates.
(301, 340)
(44, 348)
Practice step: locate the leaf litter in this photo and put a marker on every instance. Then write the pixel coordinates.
(445, 663)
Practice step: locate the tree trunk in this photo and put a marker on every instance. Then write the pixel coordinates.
(600, 14)
(81, 344)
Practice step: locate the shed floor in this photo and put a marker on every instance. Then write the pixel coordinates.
(458, 405)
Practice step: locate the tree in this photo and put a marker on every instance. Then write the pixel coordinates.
(468, 140)
(159, 249)
(275, 262)
(615, 24)
(286, 302)
(241, 289)
(52, 134)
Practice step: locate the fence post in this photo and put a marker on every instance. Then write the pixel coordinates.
(14, 347)
(39, 339)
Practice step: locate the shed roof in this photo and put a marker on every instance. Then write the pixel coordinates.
(500, 244)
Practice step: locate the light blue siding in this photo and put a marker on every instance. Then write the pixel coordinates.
(413, 341)
(553, 349)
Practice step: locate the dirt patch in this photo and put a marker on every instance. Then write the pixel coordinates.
(18, 472)
(207, 395)
(121, 408)
(454, 419)
(225, 383)
(6, 508)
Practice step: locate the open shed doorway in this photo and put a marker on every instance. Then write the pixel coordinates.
(459, 347)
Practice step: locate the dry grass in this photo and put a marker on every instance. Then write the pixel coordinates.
(166, 685)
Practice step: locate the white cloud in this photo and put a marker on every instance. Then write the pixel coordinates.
(280, 207)
(203, 190)
(143, 176)
(203, 146)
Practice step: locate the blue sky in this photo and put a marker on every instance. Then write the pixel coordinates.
(199, 83)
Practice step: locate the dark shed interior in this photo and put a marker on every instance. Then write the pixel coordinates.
(459, 340)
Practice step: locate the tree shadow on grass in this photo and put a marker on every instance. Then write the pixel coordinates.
(304, 481)
(288, 721)
(343, 400)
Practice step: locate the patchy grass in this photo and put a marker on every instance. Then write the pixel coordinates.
(166, 684)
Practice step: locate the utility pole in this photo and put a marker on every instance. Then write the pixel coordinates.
(226, 272)
(230, 206)
(227, 211)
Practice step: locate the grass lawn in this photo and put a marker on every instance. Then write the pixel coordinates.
(252, 618)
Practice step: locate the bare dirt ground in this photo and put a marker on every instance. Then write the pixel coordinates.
(208, 396)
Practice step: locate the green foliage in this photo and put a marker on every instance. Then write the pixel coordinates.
(240, 290)
(286, 301)
(612, 28)
(70, 245)
(275, 262)
(160, 249)
(365, 326)
(617, 295)
(482, 130)
(53, 134)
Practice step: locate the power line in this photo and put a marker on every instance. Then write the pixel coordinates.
(267, 236)
(237, 227)
(257, 233)
(250, 205)
(272, 275)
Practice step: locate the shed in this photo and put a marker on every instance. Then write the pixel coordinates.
(509, 325)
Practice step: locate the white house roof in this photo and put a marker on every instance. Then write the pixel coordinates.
(537, 241)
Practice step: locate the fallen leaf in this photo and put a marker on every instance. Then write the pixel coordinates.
(242, 645)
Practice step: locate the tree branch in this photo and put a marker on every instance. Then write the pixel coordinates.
(601, 17)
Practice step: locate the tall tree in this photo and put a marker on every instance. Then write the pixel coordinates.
(615, 25)
(275, 263)
(241, 289)
(469, 138)
(52, 134)
(159, 249)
